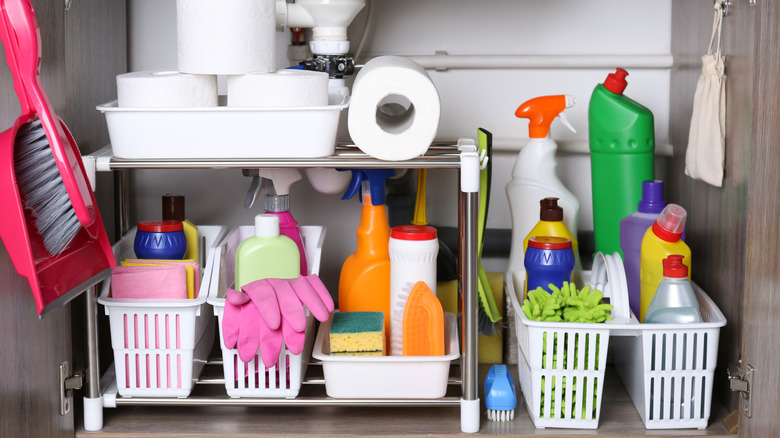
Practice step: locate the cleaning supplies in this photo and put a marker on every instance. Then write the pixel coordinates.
(500, 394)
(534, 176)
(357, 334)
(364, 282)
(160, 239)
(59, 257)
(674, 300)
(632, 230)
(622, 143)
(423, 323)
(413, 250)
(548, 260)
(277, 201)
(267, 254)
(551, 224)
(173, 209)
(660, 241)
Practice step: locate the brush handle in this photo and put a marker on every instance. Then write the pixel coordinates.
(22, 31)
(11, 46)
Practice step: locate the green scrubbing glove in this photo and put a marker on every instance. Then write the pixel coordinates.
(566, 304)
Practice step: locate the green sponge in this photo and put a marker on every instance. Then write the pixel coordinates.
(357, 333)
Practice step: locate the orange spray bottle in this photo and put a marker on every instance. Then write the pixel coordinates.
(364, 283)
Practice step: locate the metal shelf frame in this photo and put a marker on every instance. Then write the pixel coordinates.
(461, 155)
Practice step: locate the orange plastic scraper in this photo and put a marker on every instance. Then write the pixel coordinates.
(423, 323)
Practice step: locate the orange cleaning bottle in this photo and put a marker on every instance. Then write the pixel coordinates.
(364, 283)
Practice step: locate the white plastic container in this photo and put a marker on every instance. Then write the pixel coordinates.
(544, 376)
(413, 250)
(283, 380)
(161, 346)
(668, 369)
(223, 132)
(387, 377)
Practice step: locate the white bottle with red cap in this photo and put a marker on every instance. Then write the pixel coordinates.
(413, 250)
(660, 241)
(674, 301)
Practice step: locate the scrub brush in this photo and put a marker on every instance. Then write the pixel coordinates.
(500, 396)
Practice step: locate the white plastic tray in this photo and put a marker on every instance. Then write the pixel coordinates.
(283, 380)
(387, 377)
(223, 132)
(667, 369)
(160, 346)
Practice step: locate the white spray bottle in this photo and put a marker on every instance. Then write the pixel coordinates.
(534, 176)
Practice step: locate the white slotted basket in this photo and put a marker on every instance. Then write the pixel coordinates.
(253, 379)
(161, 346)
(561, 365)
(668, 369)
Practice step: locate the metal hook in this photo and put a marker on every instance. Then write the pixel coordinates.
(724, 6)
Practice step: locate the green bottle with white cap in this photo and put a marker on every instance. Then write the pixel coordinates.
(267, 254)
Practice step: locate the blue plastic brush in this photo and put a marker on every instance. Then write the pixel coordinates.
(500, 396)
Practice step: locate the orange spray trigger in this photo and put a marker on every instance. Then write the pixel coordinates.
(541, 111)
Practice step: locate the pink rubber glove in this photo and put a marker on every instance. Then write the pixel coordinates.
(314, 295)
(270, 343)
(290, 306)
(250, 333)
(263, 295)
(231, 317)
(293, 340)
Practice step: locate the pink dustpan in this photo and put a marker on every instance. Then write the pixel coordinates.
(87, 259)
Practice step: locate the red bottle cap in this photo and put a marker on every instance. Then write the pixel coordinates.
(413, 232)
(549, 242)
(160, 226)
(674, 268)
(616, 82)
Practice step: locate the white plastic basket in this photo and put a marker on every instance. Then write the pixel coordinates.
(283, 380)
(561, 365)
(161, 346)
(223, 132)
(387, 377)
(668, 368)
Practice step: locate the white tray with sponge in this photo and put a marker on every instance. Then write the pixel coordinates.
(387, 377)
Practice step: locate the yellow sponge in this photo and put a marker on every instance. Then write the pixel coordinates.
(357, 333)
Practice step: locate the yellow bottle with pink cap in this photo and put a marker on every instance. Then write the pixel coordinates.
(661, 240)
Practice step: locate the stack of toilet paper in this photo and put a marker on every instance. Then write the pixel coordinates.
(230, 37)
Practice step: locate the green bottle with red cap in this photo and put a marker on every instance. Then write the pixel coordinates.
(622, 145)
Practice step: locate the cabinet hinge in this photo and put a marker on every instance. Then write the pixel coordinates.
(68, 382)
(742, 383)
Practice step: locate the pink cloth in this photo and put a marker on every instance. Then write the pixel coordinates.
(149, 282)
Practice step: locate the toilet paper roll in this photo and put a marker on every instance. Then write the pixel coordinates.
(282, 88)
(226, 37)
(394, 109)
(171, 89)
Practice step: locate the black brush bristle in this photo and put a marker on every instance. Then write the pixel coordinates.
(42, 189)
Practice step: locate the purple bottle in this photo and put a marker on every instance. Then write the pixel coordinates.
(288, 226)
(632, 230)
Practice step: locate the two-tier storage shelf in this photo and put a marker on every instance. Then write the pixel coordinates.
(101, 393)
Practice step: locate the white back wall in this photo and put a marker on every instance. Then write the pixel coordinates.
(471, 98)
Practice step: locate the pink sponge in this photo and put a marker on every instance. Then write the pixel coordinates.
(149, 282)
